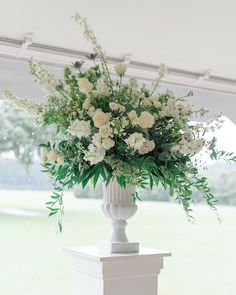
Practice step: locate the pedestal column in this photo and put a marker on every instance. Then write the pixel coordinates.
(116, 274)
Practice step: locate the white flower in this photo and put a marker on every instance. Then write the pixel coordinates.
(100, 118)
(52, 156)
(43, 159)
(43, 151)
(105, 131)
(135, 140)
(147, 147)
(157, 104)
(121, 69)
(91, 111)
(101, 89)
(116, 107)
(146, 120)
(84, 85)
(147, 102)
(80, 128)
(60, 160)
(133, 117)
(94, 154)
(97, 140)
(125, 122)
(86, 104)
(108, 143)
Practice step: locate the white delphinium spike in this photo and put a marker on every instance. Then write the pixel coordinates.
(29, 106)
(42, 76)
(89, 35)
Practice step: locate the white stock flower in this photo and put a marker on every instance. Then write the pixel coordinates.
(100, 118)
(146, 120)
(80, 128)
(133, 117)
(108, 143)
(121, 69)
(147, 147)
(116, 107)
(94, 154)
(135, 140)
(101, 89)
(52, 156)
(84, 85)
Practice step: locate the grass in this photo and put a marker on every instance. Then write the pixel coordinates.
(32, 261)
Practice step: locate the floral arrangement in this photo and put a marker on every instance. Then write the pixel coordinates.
(111, 127)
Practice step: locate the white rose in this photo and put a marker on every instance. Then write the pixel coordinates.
(100, 118)
(91, 111)
(146, 120)
(86, 104)
(157, 104)
(147, 147)
(52, 156)
(60, 160)
(97, 140)
(108, 143)
(84, 85)
(105, 131)
(146, 102)
(80, 128)
(121, 69)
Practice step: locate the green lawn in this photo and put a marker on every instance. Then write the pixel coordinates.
(32, 261)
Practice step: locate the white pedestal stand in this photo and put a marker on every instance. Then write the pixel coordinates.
(116, 274)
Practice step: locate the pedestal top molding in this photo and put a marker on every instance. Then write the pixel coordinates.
(91, 252)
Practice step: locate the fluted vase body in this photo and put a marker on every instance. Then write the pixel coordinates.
(118, 205)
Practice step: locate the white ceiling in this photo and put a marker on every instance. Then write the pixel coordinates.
(185, 34)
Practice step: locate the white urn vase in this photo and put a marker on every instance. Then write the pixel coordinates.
(118, 205)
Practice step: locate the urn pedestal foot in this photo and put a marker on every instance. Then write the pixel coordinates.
(117, 247)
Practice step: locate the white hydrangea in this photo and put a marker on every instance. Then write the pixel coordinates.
(146, 120)
(135, 140)
(94, 154)
(100, 118)
(80, 128)
(187, 146)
